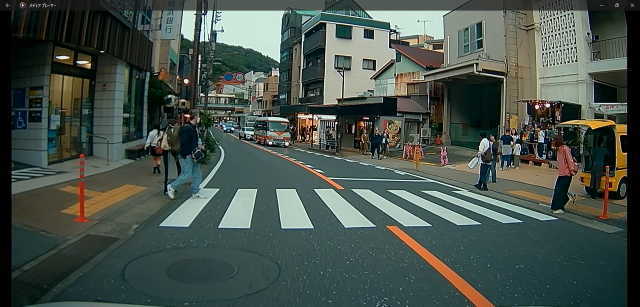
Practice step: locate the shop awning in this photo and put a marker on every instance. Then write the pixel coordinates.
(358, 106)
(408, 105)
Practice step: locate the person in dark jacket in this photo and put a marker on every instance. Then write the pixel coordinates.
(189, 141)
(495, 150)
(376, 142)
(598, 158)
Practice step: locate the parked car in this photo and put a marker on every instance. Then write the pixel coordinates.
(246, 133)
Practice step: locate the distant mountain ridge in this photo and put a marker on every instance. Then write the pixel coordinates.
(236, 59)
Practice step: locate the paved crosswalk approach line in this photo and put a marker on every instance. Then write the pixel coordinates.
(349, 216)
(189, 210)
(438, 210)
(510, 207)
(291, 209)
(404, 217)
(475, 208)
(240, 211)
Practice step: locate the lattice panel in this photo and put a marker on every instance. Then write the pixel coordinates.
(558, 31)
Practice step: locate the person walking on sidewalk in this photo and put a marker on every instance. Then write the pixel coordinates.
(376, 140)
(507, 142)
(567, 168)
(153, 144)
(364, 142)
(189, 142)
(495, 151)
(485, 155)
(385, 143)
(516, 153)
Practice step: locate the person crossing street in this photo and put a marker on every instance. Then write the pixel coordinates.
(189, 142)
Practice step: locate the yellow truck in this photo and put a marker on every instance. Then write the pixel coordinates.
(616, 142)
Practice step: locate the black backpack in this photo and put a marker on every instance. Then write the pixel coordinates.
(487, 156)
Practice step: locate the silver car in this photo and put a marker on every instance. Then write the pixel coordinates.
(246, 133)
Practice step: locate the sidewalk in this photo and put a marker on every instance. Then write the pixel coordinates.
(48, 245)
(531, 183)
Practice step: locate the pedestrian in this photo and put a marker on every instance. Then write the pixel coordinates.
(153, 145)
(485, 156)
(598, 157)
(514, 135)
(495, 152)
(541, 147)
(376, 140)
(567, 168)
(189, 142)
(364, 142)
(444, 156)
(293, 135)
(516, 153)
(507, 141)
(385, 143)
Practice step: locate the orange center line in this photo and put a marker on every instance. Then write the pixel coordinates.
(323, 177)
(464, 287)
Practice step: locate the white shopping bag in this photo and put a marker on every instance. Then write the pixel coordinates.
(473, 163)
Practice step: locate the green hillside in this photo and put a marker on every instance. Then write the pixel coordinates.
(236, 59)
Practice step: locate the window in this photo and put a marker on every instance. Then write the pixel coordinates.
(470, 39)
(343, 62)
(368, 64)
(398, 57)
(368, 33)
(624, 143)
(63, 55)
(312, 92)
(133, 105)
(343, 31)
(84, 61)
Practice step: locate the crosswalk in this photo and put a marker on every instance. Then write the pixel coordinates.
(32, 172)
(452, 207)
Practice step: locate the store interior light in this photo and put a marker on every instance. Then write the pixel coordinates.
(537, 106)
(82, 62)
(547, 104)
(62, 57)
(101, 51)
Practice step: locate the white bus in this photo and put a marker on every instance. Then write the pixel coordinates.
(272, 131)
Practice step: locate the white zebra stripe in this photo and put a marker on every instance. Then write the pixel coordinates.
(402, 216)
(292, 212)
(475, 208)
(349, 216)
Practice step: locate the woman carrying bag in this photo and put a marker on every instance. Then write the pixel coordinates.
(153, 144)
(567, 168)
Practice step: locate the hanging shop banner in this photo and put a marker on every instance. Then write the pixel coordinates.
(610, 108)
(52, 142)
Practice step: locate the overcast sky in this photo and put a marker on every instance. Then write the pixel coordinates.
(260, 30)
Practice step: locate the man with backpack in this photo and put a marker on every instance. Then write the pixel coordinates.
(486, 156)
(189, 144)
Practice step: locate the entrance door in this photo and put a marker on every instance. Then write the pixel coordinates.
(70, 117)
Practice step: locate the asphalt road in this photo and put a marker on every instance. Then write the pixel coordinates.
(288, 227)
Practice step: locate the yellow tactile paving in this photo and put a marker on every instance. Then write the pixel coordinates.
(105, 199)
(74, 190)
(577, 207)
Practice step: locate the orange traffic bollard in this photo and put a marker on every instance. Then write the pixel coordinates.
(605, 198)
(81, 218)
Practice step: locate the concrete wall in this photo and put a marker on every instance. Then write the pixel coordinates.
(561, 76)
(493, 27)
(31, 67)
(357, 80)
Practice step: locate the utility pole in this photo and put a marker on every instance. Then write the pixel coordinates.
(424, 28)
(196, 53)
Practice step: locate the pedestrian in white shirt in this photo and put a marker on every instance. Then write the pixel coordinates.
(154, 146)
(541, 147)
(485, 155)
(516, 153)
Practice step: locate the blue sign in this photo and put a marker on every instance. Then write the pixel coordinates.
(19, 98)
(18, 119)
(228, 76)
(52, 144)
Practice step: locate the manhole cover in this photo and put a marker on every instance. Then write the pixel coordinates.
(201, 274)
(201, 270)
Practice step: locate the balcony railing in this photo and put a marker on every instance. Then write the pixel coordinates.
(612, 48)
(315, 72)
(314, 41)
